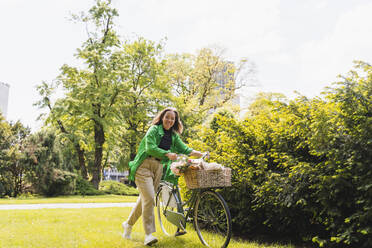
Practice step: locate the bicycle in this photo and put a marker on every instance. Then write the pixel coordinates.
(206, 208)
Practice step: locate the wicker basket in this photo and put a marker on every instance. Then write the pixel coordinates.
(207, 178)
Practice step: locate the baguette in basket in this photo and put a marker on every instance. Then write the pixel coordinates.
(212, 166)
(181, 165)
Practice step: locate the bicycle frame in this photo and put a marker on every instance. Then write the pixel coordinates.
(206, 208)
(178, 218)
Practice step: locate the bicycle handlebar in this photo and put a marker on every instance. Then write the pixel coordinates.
(205, 155)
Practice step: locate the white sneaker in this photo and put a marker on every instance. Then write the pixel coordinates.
(149, 239)
(127, 230)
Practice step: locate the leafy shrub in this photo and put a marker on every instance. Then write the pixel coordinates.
(83, 187)
(116, 188)
(46, 171)
(56, 182)
(301, 169)
(27, 195)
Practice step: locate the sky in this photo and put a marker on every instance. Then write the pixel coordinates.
(296, 45)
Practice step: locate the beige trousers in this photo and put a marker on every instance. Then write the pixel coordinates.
(147, 179)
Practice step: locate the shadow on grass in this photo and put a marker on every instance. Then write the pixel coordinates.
(168, 242)
(270, 241)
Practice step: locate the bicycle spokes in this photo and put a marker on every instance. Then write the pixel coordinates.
(212, 220)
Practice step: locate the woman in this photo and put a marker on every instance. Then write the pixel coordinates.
(159, 147)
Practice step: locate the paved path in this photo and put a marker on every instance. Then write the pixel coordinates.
(65, 205)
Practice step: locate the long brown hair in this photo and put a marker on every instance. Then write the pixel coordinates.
(177, 126)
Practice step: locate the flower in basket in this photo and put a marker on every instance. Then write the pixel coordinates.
(177, 168)
(180, 165)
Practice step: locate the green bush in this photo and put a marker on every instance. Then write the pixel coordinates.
(83, 187)
(301, 168)
(45, 170)
(57, 182)
(116, 188)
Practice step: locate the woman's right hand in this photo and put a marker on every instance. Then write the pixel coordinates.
(171, 156)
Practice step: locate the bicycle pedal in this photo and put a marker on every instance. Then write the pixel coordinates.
(180, 233)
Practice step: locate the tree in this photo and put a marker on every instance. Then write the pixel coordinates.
(108, 104)
(146, 91)
(203, 82)
(56, 117)
(91, 92)
(12, 157)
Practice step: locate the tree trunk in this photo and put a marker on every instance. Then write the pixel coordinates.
(17, 179)
(19, 184)
(99, 140)
(132, 149)
(132, 142)
(79, 151)
(16, 190)
(83, 168)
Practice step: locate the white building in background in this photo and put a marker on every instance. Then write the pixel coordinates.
(115, 175)
(4, 97)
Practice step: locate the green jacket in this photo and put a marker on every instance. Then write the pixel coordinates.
(149, 147)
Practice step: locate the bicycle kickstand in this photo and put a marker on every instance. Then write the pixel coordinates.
(180, 231)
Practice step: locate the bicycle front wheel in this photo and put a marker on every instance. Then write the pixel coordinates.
(162, 197)
(212, 219)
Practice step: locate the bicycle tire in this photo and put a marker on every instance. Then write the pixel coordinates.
(168, 228)
(212, 219)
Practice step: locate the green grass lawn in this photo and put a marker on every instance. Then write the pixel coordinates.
(70, 199)
(99, 227)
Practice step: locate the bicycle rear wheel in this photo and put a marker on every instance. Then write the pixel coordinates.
(212, 219)
(162, 196)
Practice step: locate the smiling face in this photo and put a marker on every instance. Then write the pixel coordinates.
(168, 120)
